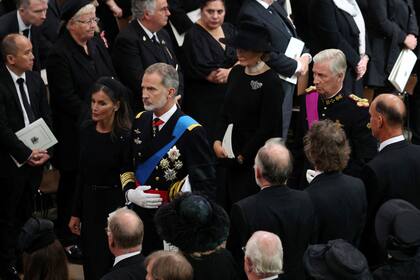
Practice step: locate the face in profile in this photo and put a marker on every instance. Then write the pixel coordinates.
(35, 13)
(327, 83)
(155, 95)
(161, 14)
(213, 14)
(23, 59)
(103, 108)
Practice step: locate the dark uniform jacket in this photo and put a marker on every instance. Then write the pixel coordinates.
(134, 51)
(353, 114)
(9, 24)
(191, 155)
(131, 268)
(340, 207)
(71, 74)
(280, 210)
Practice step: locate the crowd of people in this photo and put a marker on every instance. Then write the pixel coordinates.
(178, 136)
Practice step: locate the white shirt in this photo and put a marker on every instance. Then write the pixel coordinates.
(148, 32)
(165, 117)
(22, 25)
(14, 78)
(390, 141)
(125, 256)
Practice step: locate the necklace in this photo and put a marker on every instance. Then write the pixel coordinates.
(255, 69)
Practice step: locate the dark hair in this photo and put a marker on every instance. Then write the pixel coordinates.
(48, 263)
(126, 237)
(391, 114)
(326, 146)
(117, 92)
(204, 3)
(169, 266)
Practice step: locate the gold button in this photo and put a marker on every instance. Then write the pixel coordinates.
(157, 178)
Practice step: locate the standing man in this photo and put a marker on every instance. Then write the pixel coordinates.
(327, 100)
(394, 172)
(23, 99)
(26, 20)
(263, 256)
(125, 235)
(142, 44)
(271, 14)
(167, 146)
(276, 208)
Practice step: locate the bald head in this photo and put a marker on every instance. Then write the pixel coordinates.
(265, 253)
(126, 228)
(274, 162)
(392, 108)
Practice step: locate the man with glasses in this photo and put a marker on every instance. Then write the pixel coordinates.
(142, 44)
(26, 20)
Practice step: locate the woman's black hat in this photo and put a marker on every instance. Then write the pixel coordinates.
(71, 7)
(250, 36)
(36, 234)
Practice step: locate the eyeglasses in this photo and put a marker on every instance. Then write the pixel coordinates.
(243, 249)
(89, 21)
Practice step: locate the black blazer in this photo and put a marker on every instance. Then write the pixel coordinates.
(131, 268)
(253, 11)
(340, 207)
(11, 117)
(134, 51)
(9, 24)
(70, 75)
(286, 212)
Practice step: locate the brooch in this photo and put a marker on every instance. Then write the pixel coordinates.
(256, 85)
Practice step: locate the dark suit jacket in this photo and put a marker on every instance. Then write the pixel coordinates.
(253, 11)
(286, 212)
(9, 24)
(134, 51)
(11, 118)
(70, 75)
(131, 268)
(340, 207)
(195, 160)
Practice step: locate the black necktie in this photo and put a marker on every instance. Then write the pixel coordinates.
(28, 108)
(154, 39)
(25, 32)
(280, 19)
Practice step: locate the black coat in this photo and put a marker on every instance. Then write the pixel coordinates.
(134, 51)
(340, 207)
(390, 21)
(281, 210)
(131, 268)
(71, 73)
(195, 160)
(9, 24)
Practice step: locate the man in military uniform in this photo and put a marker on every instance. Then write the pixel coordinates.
(168, 146)
(327, 101)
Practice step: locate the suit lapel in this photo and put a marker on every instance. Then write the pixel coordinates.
(8, 82)
(30, 83)
(147, 42)
(352, 24)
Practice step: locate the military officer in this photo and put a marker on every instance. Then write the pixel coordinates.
(326, 100)
(168, 146)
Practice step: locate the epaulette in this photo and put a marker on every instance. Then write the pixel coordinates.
(139, 114)
(191, 127)
(361, 102)
(310, 89)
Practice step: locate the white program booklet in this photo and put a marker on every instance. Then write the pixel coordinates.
(227, 141)
(294, 50)
(36, 135)
(194, 16)
(402, 69)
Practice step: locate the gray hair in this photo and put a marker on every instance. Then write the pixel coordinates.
(126, 228)
(265, 251)
(274, 161)
(169, 75)
(336, 57)
(139, 7)
(25, 3)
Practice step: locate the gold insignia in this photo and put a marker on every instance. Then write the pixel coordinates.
(333, 99)
(176, 188)
(144, 38)
(368, 125)
(139, 114)
(191, 127)
(360, 102)
(137, 131)
(310, 89)
(126, 178)
(137, 141)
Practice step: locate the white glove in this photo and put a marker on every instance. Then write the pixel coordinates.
(142, 199)
(311, 174)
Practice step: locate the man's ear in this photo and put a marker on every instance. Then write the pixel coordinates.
(171, 92)
(247, 264)
(10, 59)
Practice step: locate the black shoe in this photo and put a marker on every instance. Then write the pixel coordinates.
(74, 254)
(10, 273)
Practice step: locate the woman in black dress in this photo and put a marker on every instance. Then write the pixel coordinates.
(104, 150)
(208, 63)
(253, 104)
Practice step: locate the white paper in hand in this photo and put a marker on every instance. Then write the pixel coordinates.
(402, 69)
(227, 141)
(294, 50)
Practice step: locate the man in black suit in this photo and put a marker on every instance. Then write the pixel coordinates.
(271, 14)
(23, 99)
(142, 44)
(394, 172)
(26, 20)
(263, 256)
(125, 235)
(167, 145)
(276, 208)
